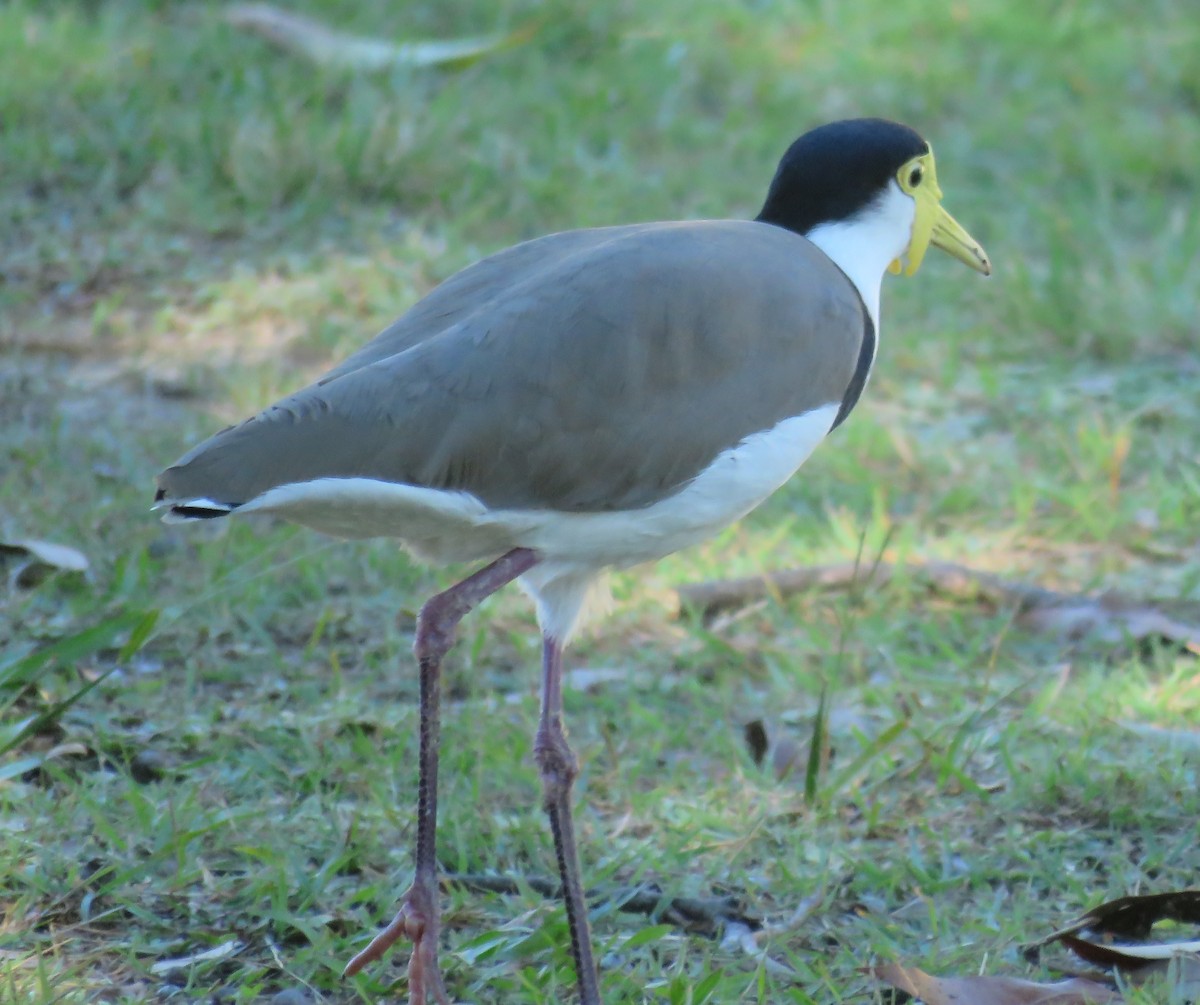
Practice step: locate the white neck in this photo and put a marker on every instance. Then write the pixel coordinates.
(865, 245)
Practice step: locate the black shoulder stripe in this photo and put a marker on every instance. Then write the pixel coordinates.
(866, 355)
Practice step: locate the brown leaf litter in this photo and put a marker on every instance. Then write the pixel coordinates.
(1120, 965)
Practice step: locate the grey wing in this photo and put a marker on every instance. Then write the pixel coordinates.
(605, 379)
(470, 292)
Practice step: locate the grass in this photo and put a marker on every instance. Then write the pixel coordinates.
(192, 223)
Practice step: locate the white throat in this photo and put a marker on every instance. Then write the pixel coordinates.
(866, 244)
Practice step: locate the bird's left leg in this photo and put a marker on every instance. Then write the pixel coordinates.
(559, 768)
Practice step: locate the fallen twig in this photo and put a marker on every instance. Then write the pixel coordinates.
(703, 915)
(957, 580)
(1107, 617)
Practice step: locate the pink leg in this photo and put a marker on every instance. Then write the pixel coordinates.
(558, 769)
(419, 916)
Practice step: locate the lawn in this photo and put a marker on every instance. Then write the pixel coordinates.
(193, 221)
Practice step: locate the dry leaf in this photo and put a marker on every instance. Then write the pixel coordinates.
(327, 47)
(228, 948)
(1177, 962)
(60, 556)
(991, 990)
(1127, 957)
(786, 754)
(41, 558)
(755, 735)
(1133, 917)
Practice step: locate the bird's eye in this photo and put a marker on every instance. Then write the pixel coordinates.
(915, 176)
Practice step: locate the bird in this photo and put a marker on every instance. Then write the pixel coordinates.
(588, 400)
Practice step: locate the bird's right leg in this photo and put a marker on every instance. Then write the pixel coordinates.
(419, 916)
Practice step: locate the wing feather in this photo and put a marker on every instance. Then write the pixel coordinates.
(588, 371)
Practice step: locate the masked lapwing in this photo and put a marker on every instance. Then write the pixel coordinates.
(588, 400)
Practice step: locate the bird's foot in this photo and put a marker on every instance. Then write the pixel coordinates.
(417, 921)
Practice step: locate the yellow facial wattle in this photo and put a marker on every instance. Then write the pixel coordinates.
(932, 224)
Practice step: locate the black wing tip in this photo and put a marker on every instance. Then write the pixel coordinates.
(187, 512)
(191, 509)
